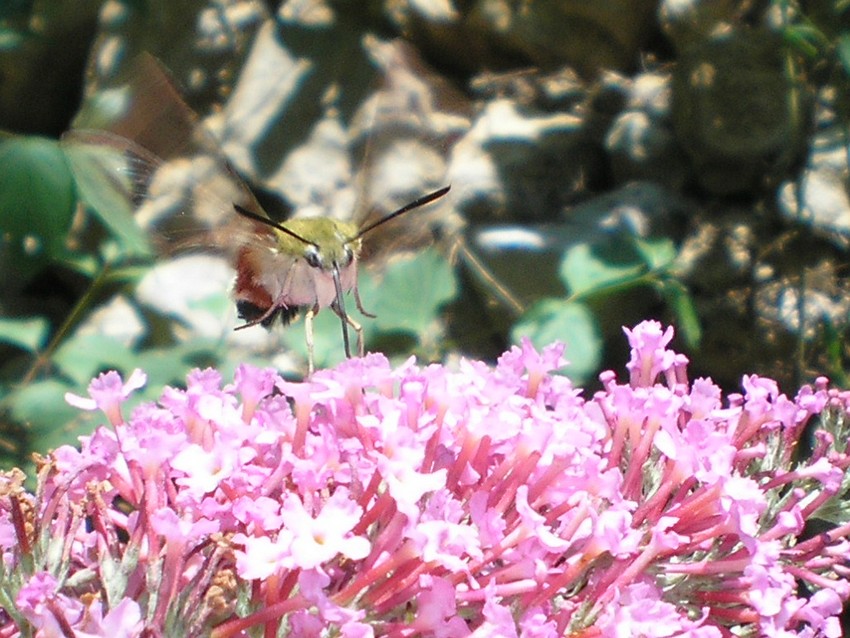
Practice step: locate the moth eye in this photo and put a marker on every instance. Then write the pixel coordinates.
(313, 257)
(348, 256)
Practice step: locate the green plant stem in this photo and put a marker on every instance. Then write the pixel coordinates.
(71, 320)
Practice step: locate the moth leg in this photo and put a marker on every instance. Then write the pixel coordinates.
(263, 317)
(358, 329)
(308, 332)
(360, 307)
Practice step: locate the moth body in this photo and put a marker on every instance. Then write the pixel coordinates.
(283, 274)
(304, 263)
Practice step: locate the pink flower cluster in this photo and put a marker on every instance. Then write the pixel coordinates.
(419, 501)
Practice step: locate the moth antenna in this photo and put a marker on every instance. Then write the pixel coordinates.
(268, 222)
(425, 199)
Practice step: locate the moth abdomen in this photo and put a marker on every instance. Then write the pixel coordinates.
(250, 313)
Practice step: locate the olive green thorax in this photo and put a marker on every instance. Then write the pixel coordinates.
(330, 238)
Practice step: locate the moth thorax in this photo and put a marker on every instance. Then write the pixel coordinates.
(325, 241)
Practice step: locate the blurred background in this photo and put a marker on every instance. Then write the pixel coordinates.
(609, 162)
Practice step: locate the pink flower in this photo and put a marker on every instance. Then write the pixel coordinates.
(316, 540)
(498, 621)
(262, 556)
(124, 620)
(373, 501)
(47, 609)
(253, 385)
(649, 354)
(107, 393)
(203, 470)
(639, 610)
(437, 609)
(525, 360)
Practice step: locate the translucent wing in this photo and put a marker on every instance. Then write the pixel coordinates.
(184, 204)
(182, 192)
(399, 142)
(150, 150)
(150, 160)
(396, 150)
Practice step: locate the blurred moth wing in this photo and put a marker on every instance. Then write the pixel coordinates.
(181, 205)
(403, 135)
(186, 200)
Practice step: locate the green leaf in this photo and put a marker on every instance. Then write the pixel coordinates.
(10, 39)
(28, 334)
(678, 297)
(36, 204)
(409, 294)
(104, 180)
(169, 366)
(658, 254)
(588, 269)
(41, 406)
(843, 51)
(807, 39)
(567, 321)
(83, 356)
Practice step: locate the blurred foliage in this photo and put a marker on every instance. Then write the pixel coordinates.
(37, 201)
(75, 261)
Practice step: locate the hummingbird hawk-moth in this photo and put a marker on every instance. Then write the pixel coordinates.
(282, 268)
